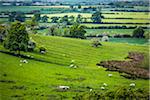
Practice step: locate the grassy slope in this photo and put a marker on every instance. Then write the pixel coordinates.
(41, 78)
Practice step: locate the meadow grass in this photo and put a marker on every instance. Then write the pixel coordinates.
(39, 79)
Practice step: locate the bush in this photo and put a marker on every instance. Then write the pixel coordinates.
(42, 50)
(96, 43)
(31, 45)
(138, 32)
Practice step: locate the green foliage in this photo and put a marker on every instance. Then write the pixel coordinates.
(54, 19)
(16, 16)
(77, 31)
(31, 45)
(79, 6)
(45, 19)
(65, 20)
(3, 33)
(96, 42)
(17, 39)
(79, 19)
(42, 49)
(36, 17)
(97, 17)
(138, 32)
(147, 35)
(54, 31)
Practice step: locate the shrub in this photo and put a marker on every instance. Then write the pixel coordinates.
(31, 45)
(138, 32)
(96, 43)
(42, 50)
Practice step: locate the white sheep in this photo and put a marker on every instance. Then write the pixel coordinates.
(110, 75)
(91, 90)
(72, 65)
(132, 85)
(104, 84)
(64, 87)
(102, 88)
(42, 52)
(25, 61)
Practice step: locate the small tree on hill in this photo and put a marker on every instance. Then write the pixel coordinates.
(54, 19)
(96, 43)
(77, 31)
(17, 39)
(45, 19)
(138, 32)
(36, 17)
(97, 16)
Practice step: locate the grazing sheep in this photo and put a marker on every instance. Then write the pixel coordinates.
(71, 66)
(24, 61)
(110, 75)
(104, 84)
(102, 88)
(91, 90)
(64, 87)
(132, 85)
(42, 52)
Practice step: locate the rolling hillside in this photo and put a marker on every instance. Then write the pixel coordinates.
(39, 80)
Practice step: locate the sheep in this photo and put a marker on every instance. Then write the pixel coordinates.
(24, 61)
(72, 65)
(110, 75)
(91, 90)
(104, 84)
(102, 88)
(42, 52)
(132, 85)
(64, 87)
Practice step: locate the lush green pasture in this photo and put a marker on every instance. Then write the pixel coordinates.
(126, 15)
(98, 25)
(109, 31)
(39, 80)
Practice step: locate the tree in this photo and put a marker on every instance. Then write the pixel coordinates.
(54, 19)
(65, 20)
(36, 17)
(79, 6)
(79, 18)
(77, 31)
(54, 31)
(3, 33)
(19, 16)
(96, 43)
(45, 19)
(138, 32)
(97, 16)
(17, 38)
(11, 17)
(71, 6)
(71, 19)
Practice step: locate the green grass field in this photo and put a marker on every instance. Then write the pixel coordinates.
(38, 80)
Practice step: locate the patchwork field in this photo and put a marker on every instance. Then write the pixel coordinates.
(39, 80)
